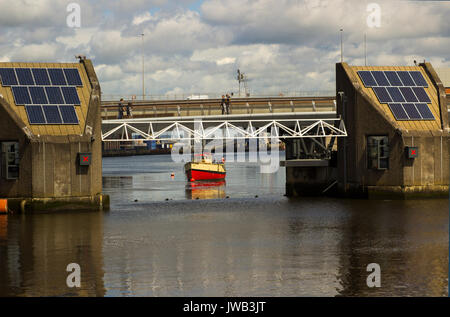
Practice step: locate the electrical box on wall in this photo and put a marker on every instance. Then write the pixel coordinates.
(412, 152)
(84, 159)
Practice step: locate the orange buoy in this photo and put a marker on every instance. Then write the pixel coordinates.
(3, 206)
(192, 180)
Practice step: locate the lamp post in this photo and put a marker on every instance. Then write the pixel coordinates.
(342, 49)
(143, 71)
(365, 50)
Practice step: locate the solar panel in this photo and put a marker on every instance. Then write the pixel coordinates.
(24, 76)
(57, 76)
(41, 76)
(421, 94)
(52, 114)
(412, 112)
(380, 78)
(395, 94)
(398, 111)
(406, 79)
(425, 111)
(21, 95)
(382, 94)
(408, 94)
(73, 77)
(367, 78)
(418, 79)
(70, 95)
(8, 76)
(68, 114)
(35, 114)
(393, 78)
(54, 95)
(38, 95)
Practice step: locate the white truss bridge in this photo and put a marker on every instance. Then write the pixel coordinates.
(224, 127)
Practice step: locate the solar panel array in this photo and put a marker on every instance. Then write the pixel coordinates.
(403, 91)
(48, 94)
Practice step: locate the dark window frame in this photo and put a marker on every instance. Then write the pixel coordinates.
(9, 160)
(377, 152)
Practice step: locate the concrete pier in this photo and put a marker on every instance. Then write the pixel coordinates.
(51, 159)
(388, 153)
(375, 160)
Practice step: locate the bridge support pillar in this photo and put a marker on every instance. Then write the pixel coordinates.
(309, 180)
(307, 176)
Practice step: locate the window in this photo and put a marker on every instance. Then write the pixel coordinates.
(10, 160)
(378, 152)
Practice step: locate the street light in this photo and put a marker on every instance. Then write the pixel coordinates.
(143, 72)
(365, 50)
(342, 49)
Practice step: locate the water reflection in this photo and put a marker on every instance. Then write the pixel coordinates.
(408, 239)
(3, 227)
(267, 247)
(36, 249)
(117, 182)
(205, 190)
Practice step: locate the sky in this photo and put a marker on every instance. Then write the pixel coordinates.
(196, 46)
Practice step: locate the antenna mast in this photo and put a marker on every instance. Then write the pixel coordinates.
(242, 78)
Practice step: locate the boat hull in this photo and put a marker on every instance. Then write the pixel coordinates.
(203, 171)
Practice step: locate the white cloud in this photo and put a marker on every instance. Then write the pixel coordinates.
(142, 18)
(280, 45)
(226, 60)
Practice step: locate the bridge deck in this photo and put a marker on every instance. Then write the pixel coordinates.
(211, 107)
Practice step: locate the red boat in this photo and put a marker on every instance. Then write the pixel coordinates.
(204, 169)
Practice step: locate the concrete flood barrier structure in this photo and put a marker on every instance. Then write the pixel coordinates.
(50, 137)
(397, 144)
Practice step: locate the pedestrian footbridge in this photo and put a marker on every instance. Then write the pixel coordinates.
(281, 125)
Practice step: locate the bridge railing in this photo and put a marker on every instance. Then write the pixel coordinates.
(174, 108)
(216, 95)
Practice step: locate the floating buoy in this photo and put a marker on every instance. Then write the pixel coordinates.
(3, 206)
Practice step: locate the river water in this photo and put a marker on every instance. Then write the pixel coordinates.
(164, 237)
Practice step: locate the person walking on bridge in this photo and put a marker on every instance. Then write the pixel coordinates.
(120, 109)
(227, 103)
(129, 111)
(222, 105)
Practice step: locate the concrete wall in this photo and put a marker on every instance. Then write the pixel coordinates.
(56, 171)
(309, 181)
(431, 167)
(94, 130)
